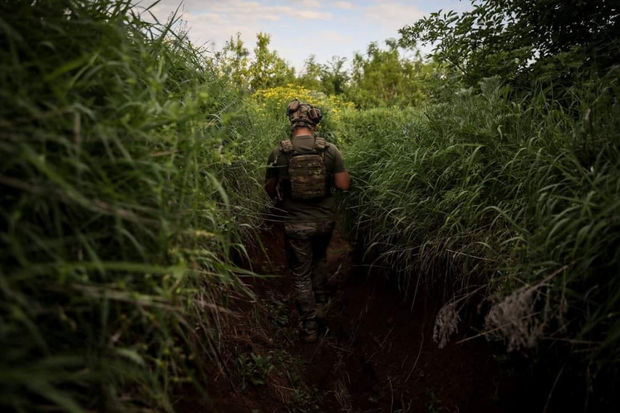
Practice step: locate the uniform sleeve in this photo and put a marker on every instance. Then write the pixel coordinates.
(271, 172)
(337, 160)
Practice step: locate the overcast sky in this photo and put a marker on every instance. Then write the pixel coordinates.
(300, 28)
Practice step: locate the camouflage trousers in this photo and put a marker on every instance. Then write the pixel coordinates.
(306, 245)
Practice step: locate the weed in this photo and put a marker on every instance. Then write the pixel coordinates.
(432, 402)
(254, 369)
(305, 400)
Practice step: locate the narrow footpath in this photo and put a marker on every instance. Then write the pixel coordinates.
(376, 354)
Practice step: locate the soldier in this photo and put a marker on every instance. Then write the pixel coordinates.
(301, 173)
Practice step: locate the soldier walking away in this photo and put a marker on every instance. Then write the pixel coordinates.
(302, 173)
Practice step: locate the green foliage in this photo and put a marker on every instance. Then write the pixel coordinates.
(330, 78)
(432, 402)
(254, 368)
(334, 77)
(233, 60)
(378, 78)
(268, 69)
(517, 200)
(385, 78)
(273, 104)
(523, 40)
(310, 76)
(126, 180)
(264, 69)
(132, 166)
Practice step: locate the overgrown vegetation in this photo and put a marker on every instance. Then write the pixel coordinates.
(517, 202)
(380, 77)
(132, 167)
(126, 180)
(506, 190)
(555, 42)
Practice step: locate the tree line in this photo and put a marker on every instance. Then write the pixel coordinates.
(525, 43)
(382, 76)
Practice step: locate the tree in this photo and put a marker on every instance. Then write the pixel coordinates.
(268, 69)
(384, 77)
(522, 39)
(233, 60)
(334, 76)
(310, 78)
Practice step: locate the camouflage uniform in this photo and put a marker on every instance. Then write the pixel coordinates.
(307, 253)
(308, 226)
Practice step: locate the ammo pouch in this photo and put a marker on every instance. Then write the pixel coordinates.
(307, 172)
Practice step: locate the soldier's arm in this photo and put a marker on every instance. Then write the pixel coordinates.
(342, 179)
(271, 177)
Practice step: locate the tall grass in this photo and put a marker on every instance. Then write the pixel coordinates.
(517, 202)
(130, 171)
(126, 179)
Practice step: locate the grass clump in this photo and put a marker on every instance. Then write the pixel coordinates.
(512, 201)
(121, 199)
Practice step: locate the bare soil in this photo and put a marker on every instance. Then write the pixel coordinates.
(375, 354)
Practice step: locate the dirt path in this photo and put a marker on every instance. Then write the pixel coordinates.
(377, 354)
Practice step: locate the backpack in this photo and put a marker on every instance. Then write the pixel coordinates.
(306, 170)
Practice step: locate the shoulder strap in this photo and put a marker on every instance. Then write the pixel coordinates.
(287, 146)
(320, 144)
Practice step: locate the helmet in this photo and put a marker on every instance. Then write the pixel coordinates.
(303, 114)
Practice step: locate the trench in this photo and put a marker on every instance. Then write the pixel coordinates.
(376, 353)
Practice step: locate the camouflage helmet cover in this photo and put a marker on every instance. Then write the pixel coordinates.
(303, 114)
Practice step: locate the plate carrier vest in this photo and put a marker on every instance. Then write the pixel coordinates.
(306, 170)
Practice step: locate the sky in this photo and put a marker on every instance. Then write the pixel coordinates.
(299, 28)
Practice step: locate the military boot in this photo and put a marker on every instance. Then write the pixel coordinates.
(309, 331)
(322, 306)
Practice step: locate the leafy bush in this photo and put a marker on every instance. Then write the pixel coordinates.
(523, 41)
